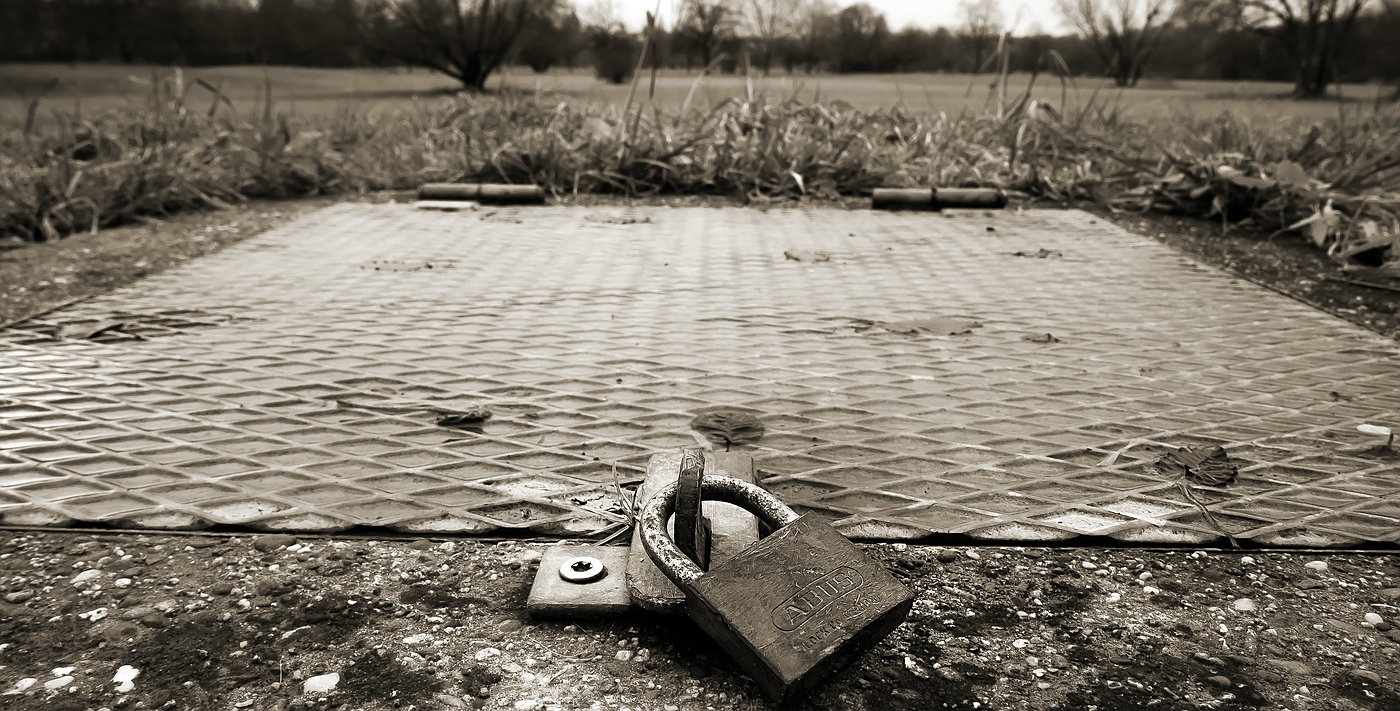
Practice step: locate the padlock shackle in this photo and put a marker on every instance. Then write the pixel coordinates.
(663, 551)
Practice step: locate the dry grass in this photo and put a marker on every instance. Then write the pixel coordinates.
(74, 174)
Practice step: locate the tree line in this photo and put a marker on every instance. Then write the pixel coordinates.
(1312, 43)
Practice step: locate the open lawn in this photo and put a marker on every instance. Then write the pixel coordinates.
(92, 89)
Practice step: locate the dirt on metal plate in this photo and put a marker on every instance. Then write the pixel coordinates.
(591, 362)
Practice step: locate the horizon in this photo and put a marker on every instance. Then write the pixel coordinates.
(1025, 17)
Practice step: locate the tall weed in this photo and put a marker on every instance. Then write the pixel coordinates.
(1337, 181)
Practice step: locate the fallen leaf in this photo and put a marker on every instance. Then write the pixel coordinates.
(802, 255)
(938, 326)
(1288, 173)
(1208, 466)
(90, 330)
(470, 418)
(727, 425)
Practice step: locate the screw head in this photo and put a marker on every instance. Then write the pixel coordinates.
(583, 569)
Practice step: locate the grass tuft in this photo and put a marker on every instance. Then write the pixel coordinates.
(1337, 181)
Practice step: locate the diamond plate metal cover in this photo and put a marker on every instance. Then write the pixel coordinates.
(916, 374)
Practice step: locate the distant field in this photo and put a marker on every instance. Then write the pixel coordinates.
(92, 89)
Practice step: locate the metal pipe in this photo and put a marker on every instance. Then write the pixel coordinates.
(483, 192)
(937, 198)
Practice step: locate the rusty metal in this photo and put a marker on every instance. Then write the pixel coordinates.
(495, 193)
(294, 381)
(692, 530)
(937, 198)
(662, 550)
(792, 608)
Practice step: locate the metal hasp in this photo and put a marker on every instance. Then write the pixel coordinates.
(792, 608)
(500, 194)
(580, 582)
(692, 529)
(937, 198)
(731, 529)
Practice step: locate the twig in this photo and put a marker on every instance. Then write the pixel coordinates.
(1365, 283)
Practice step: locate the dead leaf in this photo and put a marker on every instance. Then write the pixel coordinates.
(727, 426)
(88, 331)
(1320, 224)
(1207, 466)
(802, 255)
(1290, 174)
(1042, 338)
(936, 326)
(464, 420)
(1236, 176)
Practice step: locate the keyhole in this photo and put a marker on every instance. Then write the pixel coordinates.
(581, 566)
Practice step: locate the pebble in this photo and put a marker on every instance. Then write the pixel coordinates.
(267, 544)
(487, 653)
(321, 685)
(59, 683)
(85, 576)
(947, 556)
(950, 674)
(642, 655)
(16, 598)
(624, 655)
(124, 678)
(1220, 681)
(23, 685)
(1114, 597)
(450, 701)
(1316, 565)
(1245, 604)
(154, 620)
(1088, 566)
(1370, 676)
(422, 544)
(526, 705)
(1374, 619)
(973, 555)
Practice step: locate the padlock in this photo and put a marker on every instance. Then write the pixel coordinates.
(792, 608)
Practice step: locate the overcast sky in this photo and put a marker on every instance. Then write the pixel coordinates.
(1035, 14)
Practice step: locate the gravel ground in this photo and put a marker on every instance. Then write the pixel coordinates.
(133, 621)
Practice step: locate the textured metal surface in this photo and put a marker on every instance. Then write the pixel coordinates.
(295, 381)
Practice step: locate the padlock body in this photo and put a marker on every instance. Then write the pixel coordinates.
(797, 605)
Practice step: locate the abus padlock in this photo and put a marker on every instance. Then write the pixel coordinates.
(791, 608)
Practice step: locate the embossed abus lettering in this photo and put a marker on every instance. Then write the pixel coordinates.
(816, 596)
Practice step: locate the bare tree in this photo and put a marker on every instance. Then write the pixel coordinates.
(602, 13)
(768, 22)
(1124, 33)
(816, 26)
(1313, 32)
(983, 23)
(708, 23)
(464, 39)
